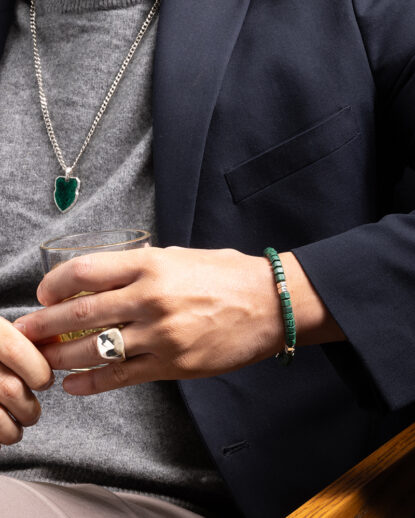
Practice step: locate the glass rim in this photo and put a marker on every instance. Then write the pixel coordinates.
(45, 245)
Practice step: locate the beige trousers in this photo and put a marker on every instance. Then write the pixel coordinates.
(21, 499)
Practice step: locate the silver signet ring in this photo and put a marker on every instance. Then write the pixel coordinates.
(111, 345)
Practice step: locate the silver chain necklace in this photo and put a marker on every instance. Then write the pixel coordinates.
(67, 187)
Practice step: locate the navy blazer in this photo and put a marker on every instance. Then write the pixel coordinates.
(291, 123)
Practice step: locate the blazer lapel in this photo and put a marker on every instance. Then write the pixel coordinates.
(194, 44)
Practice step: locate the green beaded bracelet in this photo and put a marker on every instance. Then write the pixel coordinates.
(287, 355)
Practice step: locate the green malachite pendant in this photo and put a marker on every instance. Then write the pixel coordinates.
(66, 192)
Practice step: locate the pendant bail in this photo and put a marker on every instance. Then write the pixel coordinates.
(68, 173)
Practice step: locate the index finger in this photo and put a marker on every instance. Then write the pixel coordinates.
(97, 272)
(22, 357)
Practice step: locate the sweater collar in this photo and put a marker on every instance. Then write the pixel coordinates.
(78, 6)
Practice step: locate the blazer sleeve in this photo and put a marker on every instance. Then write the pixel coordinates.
(366, 276)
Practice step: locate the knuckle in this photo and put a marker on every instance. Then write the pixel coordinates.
(157, 303)
(120, 373)
(11, 388)
(91, 349)
(38, 326)
(55, 357)
(184, 364)
(159, 296)
(169, 335)
(82, 308)
(81, 268)
(154, 261)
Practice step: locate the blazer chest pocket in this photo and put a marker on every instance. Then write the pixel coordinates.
(298, 152)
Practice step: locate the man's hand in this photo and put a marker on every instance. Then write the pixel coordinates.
(188, 313)
(22, 369)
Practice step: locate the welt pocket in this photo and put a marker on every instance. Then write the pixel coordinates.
(294, 154)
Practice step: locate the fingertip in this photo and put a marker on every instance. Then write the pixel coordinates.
(48, 384)
(40, 296)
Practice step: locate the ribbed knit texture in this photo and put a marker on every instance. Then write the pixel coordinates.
(141, 438)
(77, 6)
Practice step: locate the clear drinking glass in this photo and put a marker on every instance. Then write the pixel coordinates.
(60, 249)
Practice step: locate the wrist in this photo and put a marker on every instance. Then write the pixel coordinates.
(271, 302)
(314, 322)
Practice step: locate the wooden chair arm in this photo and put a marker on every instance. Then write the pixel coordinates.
(380, 486)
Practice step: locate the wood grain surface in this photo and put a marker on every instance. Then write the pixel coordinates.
(381, 486)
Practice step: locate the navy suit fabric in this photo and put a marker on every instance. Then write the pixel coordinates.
(291, 123)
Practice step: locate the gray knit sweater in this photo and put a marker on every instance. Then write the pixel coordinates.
(138, 439)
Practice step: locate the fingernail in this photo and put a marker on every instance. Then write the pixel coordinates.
(20, 327)
(39, 295)
(51, 382)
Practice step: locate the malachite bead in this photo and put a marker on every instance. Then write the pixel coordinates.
(66, 192)
(270, 251)
(287, 355)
